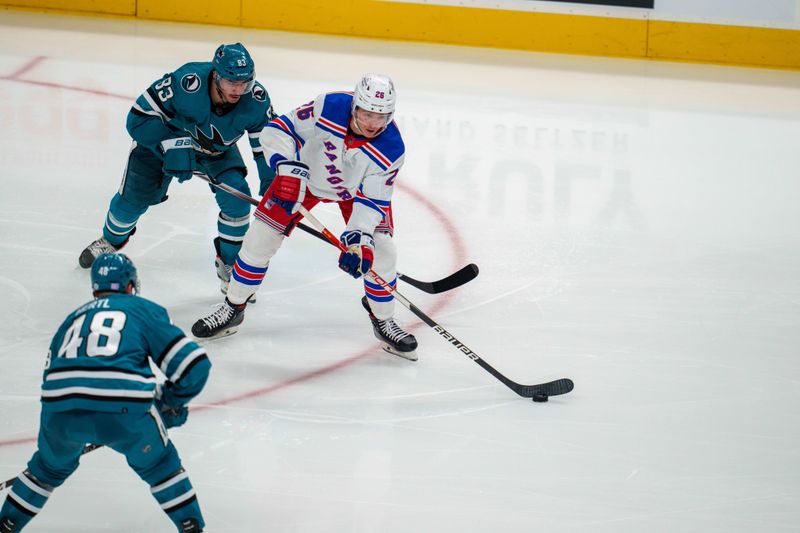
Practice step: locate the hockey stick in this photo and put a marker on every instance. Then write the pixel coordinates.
(539, 392)
(88, 448)
(456, 279)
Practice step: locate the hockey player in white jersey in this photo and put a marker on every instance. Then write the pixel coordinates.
(343, 148)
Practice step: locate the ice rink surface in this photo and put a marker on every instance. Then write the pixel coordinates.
(637, 226)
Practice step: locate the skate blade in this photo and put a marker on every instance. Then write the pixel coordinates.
(222, 334)
(411, 356)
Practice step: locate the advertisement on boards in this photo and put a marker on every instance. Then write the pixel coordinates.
(622, 3)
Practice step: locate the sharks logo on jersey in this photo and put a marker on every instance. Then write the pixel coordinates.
(211, 143)
(191, 82)
(259, 93)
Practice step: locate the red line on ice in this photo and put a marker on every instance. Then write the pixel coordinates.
(459, 253)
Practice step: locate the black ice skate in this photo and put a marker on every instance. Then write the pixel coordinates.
(396, 341)
(7, 525)
(100, 246)
(224, 273)
(221, 323)
(190, 525)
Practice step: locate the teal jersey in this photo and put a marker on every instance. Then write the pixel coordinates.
(99, 359)
(179, 104)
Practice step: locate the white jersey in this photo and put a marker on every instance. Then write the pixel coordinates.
(342, 166)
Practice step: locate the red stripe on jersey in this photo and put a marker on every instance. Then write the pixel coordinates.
(332, 125)
(285, 127)
(269, 221)
(382, 158)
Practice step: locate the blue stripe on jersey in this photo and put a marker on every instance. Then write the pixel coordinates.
(390, 143)
(323, 127)
(284, 124)
(382, 203)
(274, 160)
(369, 203)
(375, 160)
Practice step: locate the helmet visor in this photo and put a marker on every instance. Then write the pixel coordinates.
(370, 123)
(236, 88)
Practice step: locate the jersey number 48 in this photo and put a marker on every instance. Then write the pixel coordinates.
(105, 333)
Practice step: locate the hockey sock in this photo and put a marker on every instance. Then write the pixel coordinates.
(25, 499)
(177, 498)
(231, 234)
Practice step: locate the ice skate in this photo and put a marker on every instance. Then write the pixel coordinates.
(224, 275)
(221, 323)
(224, 272)
(100, 246)
(7, 526)
(190, 526)
(396, 341)
(90, 253)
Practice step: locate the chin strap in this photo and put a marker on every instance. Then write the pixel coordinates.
(219, 109)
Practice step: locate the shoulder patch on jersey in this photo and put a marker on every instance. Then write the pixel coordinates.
(259, 93)
(191, 82)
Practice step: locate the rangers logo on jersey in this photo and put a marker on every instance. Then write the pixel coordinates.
(191, 83)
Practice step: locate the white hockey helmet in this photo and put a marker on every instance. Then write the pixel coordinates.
(375, 92)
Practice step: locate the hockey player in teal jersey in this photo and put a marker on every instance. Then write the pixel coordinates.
(99, 388)
(189, 121)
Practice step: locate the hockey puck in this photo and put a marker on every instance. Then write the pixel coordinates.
(540, 397)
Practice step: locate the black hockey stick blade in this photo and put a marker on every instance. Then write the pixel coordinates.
(551, 388)
(448, 283)
(88, 448)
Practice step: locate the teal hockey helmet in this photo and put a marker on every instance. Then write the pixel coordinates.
(233, 63)
(113, 273)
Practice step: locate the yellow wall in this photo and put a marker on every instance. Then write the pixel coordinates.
(224, 12)
(111, 7)
(453, 25)
(544, 32)
(724, 44)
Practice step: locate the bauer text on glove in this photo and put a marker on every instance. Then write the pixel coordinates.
(289, 186)
(179, 157)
